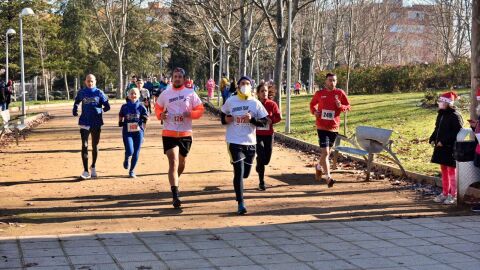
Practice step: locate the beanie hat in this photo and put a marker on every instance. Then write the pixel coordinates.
(245, 78)
(448, 97)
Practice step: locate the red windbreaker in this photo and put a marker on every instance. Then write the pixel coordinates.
(324, 101)
(273, 114)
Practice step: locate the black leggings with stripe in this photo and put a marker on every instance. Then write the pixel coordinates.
(84, 133)
(242, 159)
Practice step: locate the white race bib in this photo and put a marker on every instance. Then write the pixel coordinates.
(178, 119)
(241, 121)
(328, 115)
(133, 127)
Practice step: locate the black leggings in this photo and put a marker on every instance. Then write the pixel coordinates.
(242, 159)
(95, 140)
(264, 154)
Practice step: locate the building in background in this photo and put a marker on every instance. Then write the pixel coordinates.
(411, 34)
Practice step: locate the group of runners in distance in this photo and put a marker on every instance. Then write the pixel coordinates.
(249, 125)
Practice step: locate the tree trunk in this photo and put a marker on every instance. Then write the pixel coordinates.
(212, 61)
(278, 76)
(77, 79)
(66, 85)
(120, 73)
(226, 59)
(311, 75)
(475, 60)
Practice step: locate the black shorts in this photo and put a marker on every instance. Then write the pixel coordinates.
(326, 138)
(184, 144)
(240, 152)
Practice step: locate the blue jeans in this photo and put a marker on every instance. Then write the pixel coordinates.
(132, 142)
(3, 106)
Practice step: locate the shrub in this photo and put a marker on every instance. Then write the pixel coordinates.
(388, 79)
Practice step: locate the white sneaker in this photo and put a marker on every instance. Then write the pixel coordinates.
(440, 198)
(450, 200)
(85, 175)
(93, 172)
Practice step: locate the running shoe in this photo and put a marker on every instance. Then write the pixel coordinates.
(131, 174)
(85, 175)
(125, 163)
(176, 203)
(330, 182)
(450, 200)
(440, 198)
(262, 187)
(93, 172)
(241, 209)
(476, 208)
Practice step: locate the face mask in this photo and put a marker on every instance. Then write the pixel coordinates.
(246, 90)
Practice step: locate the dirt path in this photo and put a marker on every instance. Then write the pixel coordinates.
(40, 192)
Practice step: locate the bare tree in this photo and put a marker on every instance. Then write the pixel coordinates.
(275, 12)
(112, 18)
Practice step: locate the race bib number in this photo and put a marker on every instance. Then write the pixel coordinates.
(241, 121)
(328, 114)
(178, 119)
(133, 127)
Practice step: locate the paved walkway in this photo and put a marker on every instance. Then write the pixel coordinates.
(423, 243)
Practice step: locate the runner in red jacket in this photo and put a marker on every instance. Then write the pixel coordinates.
(265, 95)
(326, 105)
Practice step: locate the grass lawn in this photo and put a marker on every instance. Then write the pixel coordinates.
(411, 123)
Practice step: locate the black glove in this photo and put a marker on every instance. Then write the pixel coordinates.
(75, 113)
(120, 123)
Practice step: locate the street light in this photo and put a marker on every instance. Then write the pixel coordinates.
(161, 57)
(9, 32)
(25, 12)
(289, 67)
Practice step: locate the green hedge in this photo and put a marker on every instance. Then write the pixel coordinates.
(409, 78)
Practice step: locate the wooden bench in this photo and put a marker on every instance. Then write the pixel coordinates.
(366, 142)
(8, 125)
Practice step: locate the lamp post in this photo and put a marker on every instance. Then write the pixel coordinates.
(25, 12)
(9, 32)
(289, 67)
(220, 65)
(161, 57)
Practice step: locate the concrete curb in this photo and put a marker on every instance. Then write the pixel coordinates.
(308, 147)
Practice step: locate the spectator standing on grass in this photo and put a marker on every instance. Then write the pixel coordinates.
(448, 124)
(8, 93)
(210, 88)
(3, 91)
(298, 86)
(326, 105)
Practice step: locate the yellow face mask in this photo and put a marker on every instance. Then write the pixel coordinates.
(244, 92)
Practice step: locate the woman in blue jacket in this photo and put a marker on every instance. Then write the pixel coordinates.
(94, 103)
(133, 118)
